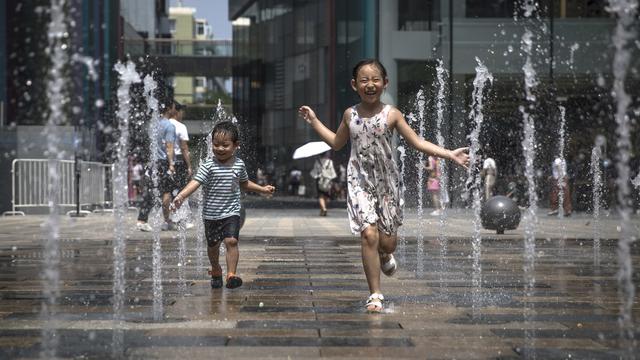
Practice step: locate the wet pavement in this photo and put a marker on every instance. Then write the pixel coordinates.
(304, 290)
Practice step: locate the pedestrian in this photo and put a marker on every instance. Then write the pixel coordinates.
(489, 173)
(324, 173)
(137, 171)
(295, 178)
(433, 184)
(261, 178)
(182, 155)
(559, 181)
(375, 200)
(342, 182)
(181, 147)
(165, 166)
(222, 177)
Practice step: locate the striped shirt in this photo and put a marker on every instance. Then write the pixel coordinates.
(221, 186)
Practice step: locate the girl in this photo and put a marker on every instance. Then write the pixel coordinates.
(375, 200)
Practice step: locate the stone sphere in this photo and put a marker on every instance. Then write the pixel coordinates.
(500, 213)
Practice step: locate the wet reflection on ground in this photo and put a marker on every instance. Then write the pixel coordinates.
(303, 297)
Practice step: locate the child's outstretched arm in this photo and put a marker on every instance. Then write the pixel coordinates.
(251, 186)
(459, 156)
(336, 140)
(192, 186)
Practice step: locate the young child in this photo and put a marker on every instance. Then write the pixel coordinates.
(374, 197)
(222, 176)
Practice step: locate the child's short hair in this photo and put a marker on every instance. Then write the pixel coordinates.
(373, 62)
(226, 128)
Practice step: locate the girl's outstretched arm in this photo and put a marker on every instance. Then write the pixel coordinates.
(336, 140)
(459, 156)
(184, 193)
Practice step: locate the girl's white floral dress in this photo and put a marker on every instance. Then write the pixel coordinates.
(375, 189)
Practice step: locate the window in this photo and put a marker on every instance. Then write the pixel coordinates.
(172, 26)
(200, 31)
(417, 15)
(491, 9)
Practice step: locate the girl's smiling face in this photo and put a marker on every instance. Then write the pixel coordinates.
(223, 147)
(369, 83)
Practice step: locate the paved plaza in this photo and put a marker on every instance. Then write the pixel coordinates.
(304, 290)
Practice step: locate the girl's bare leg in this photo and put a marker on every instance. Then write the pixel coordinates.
(232, 254)
(370, 257)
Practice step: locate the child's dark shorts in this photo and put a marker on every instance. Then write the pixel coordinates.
(217, 230)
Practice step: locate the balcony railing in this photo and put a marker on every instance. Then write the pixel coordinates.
(173, 47)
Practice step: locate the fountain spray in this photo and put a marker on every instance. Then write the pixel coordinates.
(150, 87)
(128, 76)
(402, 246)
(563, 172)
(530, 218)
(441, 73)
(57, 36)
(596, 172)
(473, 174)
(625, 31)
(420, 104)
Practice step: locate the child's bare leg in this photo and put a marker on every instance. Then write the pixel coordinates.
(214, 258)
(232, 254)
(370, 257)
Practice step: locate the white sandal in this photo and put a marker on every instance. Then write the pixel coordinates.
(390, 267)
(374, 303)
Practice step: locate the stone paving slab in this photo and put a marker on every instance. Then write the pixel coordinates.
(304, 289)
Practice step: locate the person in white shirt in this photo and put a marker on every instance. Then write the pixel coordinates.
(489, 173)
(181, 149)
(559, 183)
(136, 178)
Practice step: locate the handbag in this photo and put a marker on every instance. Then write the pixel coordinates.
(324, 184)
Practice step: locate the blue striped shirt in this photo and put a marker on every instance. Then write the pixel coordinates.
(221, 186)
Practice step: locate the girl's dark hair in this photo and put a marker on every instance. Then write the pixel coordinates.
(226, 128)
(373, 62)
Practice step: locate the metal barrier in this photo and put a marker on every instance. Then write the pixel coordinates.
(30, 179)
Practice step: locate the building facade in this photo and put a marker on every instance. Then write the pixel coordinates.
(94, 33)
(288, 53)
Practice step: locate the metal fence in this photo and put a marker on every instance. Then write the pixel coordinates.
(30, 179)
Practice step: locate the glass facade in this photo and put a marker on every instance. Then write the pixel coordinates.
(288, 53)
(572, 57)
(301, 52)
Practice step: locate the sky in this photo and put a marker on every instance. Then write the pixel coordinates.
(215, 11)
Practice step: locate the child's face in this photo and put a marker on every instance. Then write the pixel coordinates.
(369, 84)
(223, 147)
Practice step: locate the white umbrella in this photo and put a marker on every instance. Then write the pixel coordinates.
(311, 149)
